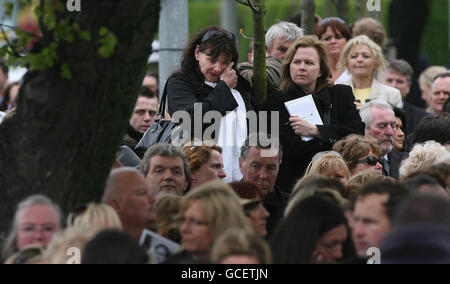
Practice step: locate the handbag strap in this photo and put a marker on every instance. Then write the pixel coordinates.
(162, 105)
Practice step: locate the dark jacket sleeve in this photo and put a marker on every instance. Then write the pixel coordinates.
(345, 118)
(182, 95)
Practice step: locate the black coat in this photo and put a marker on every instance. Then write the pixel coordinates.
(297, 154)
(186, 89)
(413, 115)
(395, 159)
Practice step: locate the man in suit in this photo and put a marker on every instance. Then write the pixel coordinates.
(381, 124)
(399, 75)
(260, 164)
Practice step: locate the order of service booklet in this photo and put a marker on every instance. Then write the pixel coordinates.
(306, 109)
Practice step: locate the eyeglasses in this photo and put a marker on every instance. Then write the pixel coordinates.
(332, 19)
(371, 161)
(212, 33)
(75, 213)
(190, 222)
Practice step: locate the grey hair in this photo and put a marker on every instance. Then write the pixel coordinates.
(261, 141)
(164, 150)
(403, 67)
(366, 110)
(283, 30)
(11, 240)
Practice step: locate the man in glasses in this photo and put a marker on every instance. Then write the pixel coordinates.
(381, 124)
(279, 38)
(143, 116)
(129, 194)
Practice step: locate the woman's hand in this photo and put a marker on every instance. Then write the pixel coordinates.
(303, 128)
(229, 76)
(358, 105)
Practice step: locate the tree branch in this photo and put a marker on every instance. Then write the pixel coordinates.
(251, 5)
(243, 3)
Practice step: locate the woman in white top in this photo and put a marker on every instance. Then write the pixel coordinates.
(364, 59)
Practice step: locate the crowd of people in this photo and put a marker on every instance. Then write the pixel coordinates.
(374, 174)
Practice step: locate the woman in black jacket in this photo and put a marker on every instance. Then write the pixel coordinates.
(306, 72)
(208, 77)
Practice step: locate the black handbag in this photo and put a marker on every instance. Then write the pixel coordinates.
(161, 131)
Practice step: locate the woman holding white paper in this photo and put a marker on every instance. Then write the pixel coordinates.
(306, 72)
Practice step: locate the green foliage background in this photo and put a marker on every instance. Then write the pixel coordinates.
(203, 13)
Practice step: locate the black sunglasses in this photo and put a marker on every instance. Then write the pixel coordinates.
(371, 161)
(212, 33)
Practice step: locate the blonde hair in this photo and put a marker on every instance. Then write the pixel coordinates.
(306, 187)
(241, 242)
(327, 162)
(221, 207)
(75, 237)
(422, 156)
(426, 78)
(380, 62)
(97, 215)
(356, 182)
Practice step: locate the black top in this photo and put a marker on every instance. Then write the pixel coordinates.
(344, 120)
(275, 203)
(186, 89)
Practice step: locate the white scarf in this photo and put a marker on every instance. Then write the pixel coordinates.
(232, 134)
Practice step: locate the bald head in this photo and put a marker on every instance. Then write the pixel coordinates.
(129, 194)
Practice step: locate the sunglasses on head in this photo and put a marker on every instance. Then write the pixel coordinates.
(332, 19)
(371, 161)
(212, 33)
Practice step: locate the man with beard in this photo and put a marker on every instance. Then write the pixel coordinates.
(260, 165)
(381, 124)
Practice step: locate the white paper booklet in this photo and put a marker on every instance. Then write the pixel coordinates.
(306, 109)
(157, 245)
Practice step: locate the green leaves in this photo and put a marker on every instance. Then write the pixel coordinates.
(9, 7)
(107, 41)
(64, 31)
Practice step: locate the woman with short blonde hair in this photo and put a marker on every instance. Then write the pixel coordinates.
(365, 61)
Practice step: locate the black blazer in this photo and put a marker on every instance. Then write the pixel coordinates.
(297, 154)
(395, 159)
(413, 116)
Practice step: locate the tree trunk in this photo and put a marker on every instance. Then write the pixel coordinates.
(360, 10)
(327, 9)
(407, 22)
(63, 139)
(343, 9)
(259, 57)
(308, 9)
